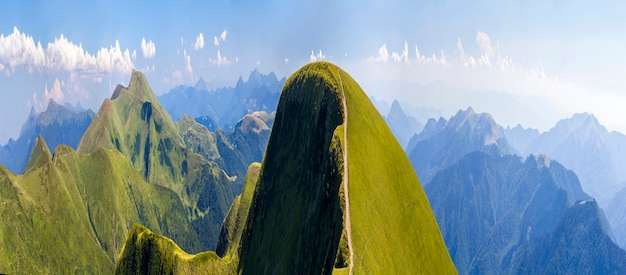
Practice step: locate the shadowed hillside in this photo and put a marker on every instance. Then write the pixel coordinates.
(321, 203)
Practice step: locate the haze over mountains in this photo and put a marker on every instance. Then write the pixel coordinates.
(480, 187)
(124, 172)
(443, 142)
(225, 106)
(494, 211)
(597, 156)
(330, 187)
(402, 125)
(308, 212)
(57, 125)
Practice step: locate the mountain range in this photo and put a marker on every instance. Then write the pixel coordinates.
(313, 205)
(500, 213)
(225, 106)
(132, 165)
(70, 212)
(444, 142)
(402, 125)
(597, 156)
(319, 183)
(134, 123)
(496, 211)
(58, 124)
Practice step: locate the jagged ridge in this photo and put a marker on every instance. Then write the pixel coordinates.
(295, 222)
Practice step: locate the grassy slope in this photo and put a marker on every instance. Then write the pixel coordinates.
(163, 256)
(135, 123)
(393, 227)
(295, 220)
(75, 210)
(148, 253)
(232, 228)
(35, 223)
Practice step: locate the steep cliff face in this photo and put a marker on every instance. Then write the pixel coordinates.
(335, 193)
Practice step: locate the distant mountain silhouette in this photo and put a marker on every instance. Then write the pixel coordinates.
(402, 125)
(442, 142)
(582, 144)
(57, 125)
(225, 106)
(520, 137)
(506, 214)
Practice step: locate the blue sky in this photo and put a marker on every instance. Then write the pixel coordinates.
(529, 62)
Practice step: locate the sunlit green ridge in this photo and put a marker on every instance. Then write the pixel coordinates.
(71, 212)
(295, 222)
(134, 123)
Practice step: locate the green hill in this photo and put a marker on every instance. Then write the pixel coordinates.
(335, 193)
(71, 212)
(134, 123)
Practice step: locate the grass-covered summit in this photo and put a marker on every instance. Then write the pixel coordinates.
(71, 212)
(335, 193)
(134, 123)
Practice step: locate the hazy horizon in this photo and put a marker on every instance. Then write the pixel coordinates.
(528, 63)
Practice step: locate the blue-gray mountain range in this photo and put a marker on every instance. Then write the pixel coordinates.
(225, 106)
(58, 124)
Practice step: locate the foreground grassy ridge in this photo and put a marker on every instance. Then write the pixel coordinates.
(35, 213)
(295, 221)
(393, 227)
(148, 253)
(295, 216)
(134, 123)
(234, 223)
(71, 212)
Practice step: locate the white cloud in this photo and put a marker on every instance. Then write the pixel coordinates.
(467, 61)
(188, 67)
(484, 42)
(473, 72)
(177, 76)
(18, 50)
(538, 72)
(149, 69)
(134, 55)
(286, 61)
(113, 59)
(199, 44)
(220, 61)
(148, 50)
(316, 57)
(55, 93)
(404, 56)
(382, 56)
(221, 37)
(490, 55)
